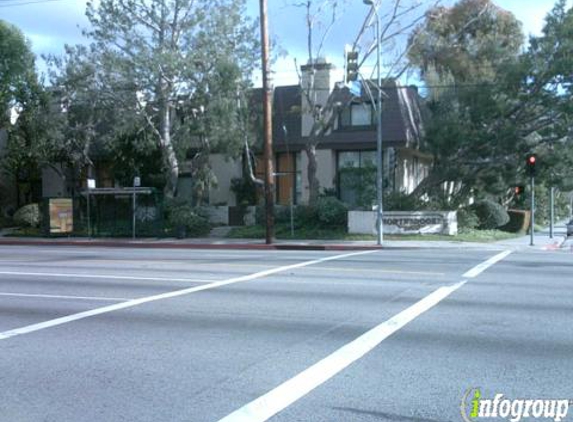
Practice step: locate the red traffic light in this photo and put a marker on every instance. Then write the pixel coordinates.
(530, 163)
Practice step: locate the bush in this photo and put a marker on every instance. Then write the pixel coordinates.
(491, 215)
(306, 216)
(245, 191)
(467, 219)
(281, 214)
(518, 221)
(28, 216)
(331, 212)
(188, 218)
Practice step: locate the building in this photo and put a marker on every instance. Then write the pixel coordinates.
(346, 154)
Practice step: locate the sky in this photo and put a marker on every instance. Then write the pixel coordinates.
(50, 24)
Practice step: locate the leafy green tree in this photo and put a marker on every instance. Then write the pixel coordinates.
(32, 129)
(490, 109)
(16, 68)
(155, 65)
(465, 43)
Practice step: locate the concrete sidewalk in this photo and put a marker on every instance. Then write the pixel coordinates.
(541, 241)
(218, 243)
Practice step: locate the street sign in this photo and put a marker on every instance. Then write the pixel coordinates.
(91, 184)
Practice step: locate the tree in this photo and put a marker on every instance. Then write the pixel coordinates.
(463, 53)
(16, 68)
(25, 109)
(398, 17)
(493, 107)
(465, 43)
(156, 59)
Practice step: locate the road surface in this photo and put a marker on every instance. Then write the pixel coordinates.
(400, 335)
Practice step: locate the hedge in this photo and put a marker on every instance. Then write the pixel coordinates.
(491, 215)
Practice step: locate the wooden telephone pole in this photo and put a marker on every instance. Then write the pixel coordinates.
(268, 127)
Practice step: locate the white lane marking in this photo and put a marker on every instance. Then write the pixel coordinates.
(478, 269)
(276, 400)
(42, 296)
(268, 405)
(135, 302)
(104, 276)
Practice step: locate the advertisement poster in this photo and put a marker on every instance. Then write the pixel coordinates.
(61, 216)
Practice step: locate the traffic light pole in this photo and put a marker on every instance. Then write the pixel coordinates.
(532, 222)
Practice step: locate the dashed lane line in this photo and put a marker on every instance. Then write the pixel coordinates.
(45, 296)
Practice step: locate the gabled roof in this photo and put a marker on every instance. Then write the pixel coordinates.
(287, 113)
(402, 120)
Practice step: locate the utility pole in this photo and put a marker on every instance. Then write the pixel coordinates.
(268, 127)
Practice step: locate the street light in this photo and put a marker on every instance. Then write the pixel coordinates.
(379, 222)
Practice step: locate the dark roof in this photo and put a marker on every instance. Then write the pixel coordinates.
(287, 114)
(402, 120)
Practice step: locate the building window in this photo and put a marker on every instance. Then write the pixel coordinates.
(356, 115)
(288, 181)
(357, 177)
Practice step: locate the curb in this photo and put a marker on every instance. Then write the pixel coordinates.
(557, 244)
(176, 245)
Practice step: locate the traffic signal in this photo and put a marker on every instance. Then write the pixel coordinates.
(530, 163)
(351, 66)
(518, 190)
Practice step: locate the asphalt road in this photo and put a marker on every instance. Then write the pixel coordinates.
(104, 334)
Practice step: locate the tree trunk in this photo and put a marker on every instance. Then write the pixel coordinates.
(171, 165)
(313, 183)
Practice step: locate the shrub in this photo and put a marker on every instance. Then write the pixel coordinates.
(491, 215)
(245, 191)
(188, 218)
(28, 216)
(467, 219)
(282, 214)
(518, 221)
(306, 216)
(331, 212)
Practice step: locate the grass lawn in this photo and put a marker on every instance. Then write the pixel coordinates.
(283, 232)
